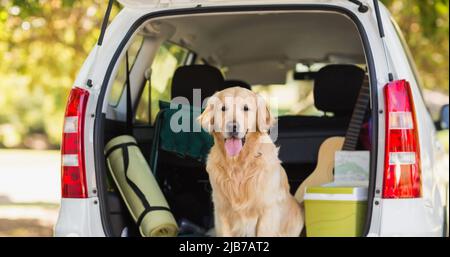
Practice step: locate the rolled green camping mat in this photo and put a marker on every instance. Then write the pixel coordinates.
(139, 188)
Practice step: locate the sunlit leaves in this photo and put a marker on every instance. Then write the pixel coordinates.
(42, 46)
(425, 26)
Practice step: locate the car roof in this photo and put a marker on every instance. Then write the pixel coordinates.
(179, 3)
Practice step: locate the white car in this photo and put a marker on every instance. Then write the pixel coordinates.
(310, 57)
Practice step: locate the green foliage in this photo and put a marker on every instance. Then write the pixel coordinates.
(424, 24)
(44, 42)
(42, 45)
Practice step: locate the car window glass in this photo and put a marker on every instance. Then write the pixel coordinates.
(168, 58)
(119, 82)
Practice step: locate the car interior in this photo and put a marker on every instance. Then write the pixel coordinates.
(308, 65)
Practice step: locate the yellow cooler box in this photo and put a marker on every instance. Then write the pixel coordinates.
(335, 211)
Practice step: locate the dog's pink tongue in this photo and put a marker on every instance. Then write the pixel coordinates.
(233, 146)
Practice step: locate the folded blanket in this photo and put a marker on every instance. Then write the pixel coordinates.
(194, 144)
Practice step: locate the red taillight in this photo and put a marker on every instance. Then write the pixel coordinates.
(402, 175)
(73, 176)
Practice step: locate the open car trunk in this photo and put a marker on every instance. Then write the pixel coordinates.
(313, 62)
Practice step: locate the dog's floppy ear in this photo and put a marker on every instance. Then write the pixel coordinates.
(206, 119)
(265, 118)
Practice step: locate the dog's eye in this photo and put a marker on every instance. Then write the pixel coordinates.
(224, 108)
(246, 108)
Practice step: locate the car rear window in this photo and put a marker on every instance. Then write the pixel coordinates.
(292, 98)
(119, 82)
(296, 96)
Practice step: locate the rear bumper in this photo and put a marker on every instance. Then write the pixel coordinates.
(79, 217)
(412, 217)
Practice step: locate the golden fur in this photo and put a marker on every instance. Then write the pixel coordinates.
(250, 191)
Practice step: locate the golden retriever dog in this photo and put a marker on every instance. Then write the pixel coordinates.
(250, 187)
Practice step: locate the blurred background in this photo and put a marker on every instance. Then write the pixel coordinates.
(43, 44)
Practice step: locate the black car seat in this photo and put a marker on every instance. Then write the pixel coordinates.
(235, 83)
(182, 176)
(205, 78)
(336, 89)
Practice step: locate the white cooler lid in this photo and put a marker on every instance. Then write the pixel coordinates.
(336, 192)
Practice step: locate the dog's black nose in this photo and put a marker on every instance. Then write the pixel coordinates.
(232, 127)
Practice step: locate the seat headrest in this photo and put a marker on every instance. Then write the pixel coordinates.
(336, 88)
(235, 83)
(204, 77)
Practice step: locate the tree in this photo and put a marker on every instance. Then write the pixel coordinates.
(42, 45)
(424, 24)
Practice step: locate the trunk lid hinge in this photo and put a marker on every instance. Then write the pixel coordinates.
(89, 82)
(382, 35)
(362, 8)
(105, 22)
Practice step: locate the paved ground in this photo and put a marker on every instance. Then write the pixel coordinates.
(29, 192)
(29, 176)
(28, 219)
